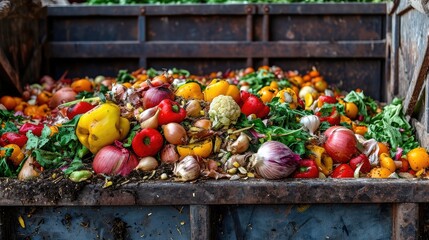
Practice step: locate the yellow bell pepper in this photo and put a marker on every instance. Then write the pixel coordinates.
(323, 161)
(202, 149)
(288, 95)
(191, 90)
(101, 126)
(221, 87)
(267, 93)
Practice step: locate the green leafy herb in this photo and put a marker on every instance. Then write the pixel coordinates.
(8, 127)
(124, 76)
(258, 80)
(366, 105)
(85, 94)
(283, 126)
(57, 150)
(392, 127)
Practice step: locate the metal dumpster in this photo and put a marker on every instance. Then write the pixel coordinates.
(354, 45)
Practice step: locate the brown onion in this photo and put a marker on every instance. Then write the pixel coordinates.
(169, 154)
(65, 94)
(203, 123)
(193, 108)
(28, 170)
(114, 160)
(147, 164)
(341, 144)
(175, 133)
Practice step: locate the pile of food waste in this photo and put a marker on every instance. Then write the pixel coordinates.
(171, 125)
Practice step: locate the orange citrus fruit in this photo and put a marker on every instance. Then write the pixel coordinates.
(8, 102)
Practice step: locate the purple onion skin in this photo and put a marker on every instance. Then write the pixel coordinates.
(276, 160)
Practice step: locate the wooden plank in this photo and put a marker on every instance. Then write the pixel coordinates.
(218, 49)
(419, 77)
(223, 192)
(420, 5)
(421, 130)
(200, 222)
(13, 76)
(405, 221)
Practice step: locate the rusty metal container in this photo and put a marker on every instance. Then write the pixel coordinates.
(353, 45)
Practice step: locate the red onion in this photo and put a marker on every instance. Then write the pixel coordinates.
(341, 144)
(114, 160)
(155, 94)
(275, 160)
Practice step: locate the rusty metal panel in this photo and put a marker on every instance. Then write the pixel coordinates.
(221, 192)
(89, 67)
(326, 27)
(133, 222)
(322, 221)
(324, 8)
(111, 28)
(220, 37)
(196, 28)
(82, 10)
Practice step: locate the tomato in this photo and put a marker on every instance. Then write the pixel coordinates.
(343, 171)
(351, 110)
(405, 165)
(81, 85)
(382, 148)
(43, 97)
(321, 85)
(379, 172)
(387, 162)
(418, 158)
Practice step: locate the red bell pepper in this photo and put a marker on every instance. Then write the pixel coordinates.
(36, 129)
(307, 169)
(147, 142)
(79, 108)
(170, 111)
(343, 171)
(251, 104)
(361, 158)
(325, 99)
(334, 118)
(14, 138)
